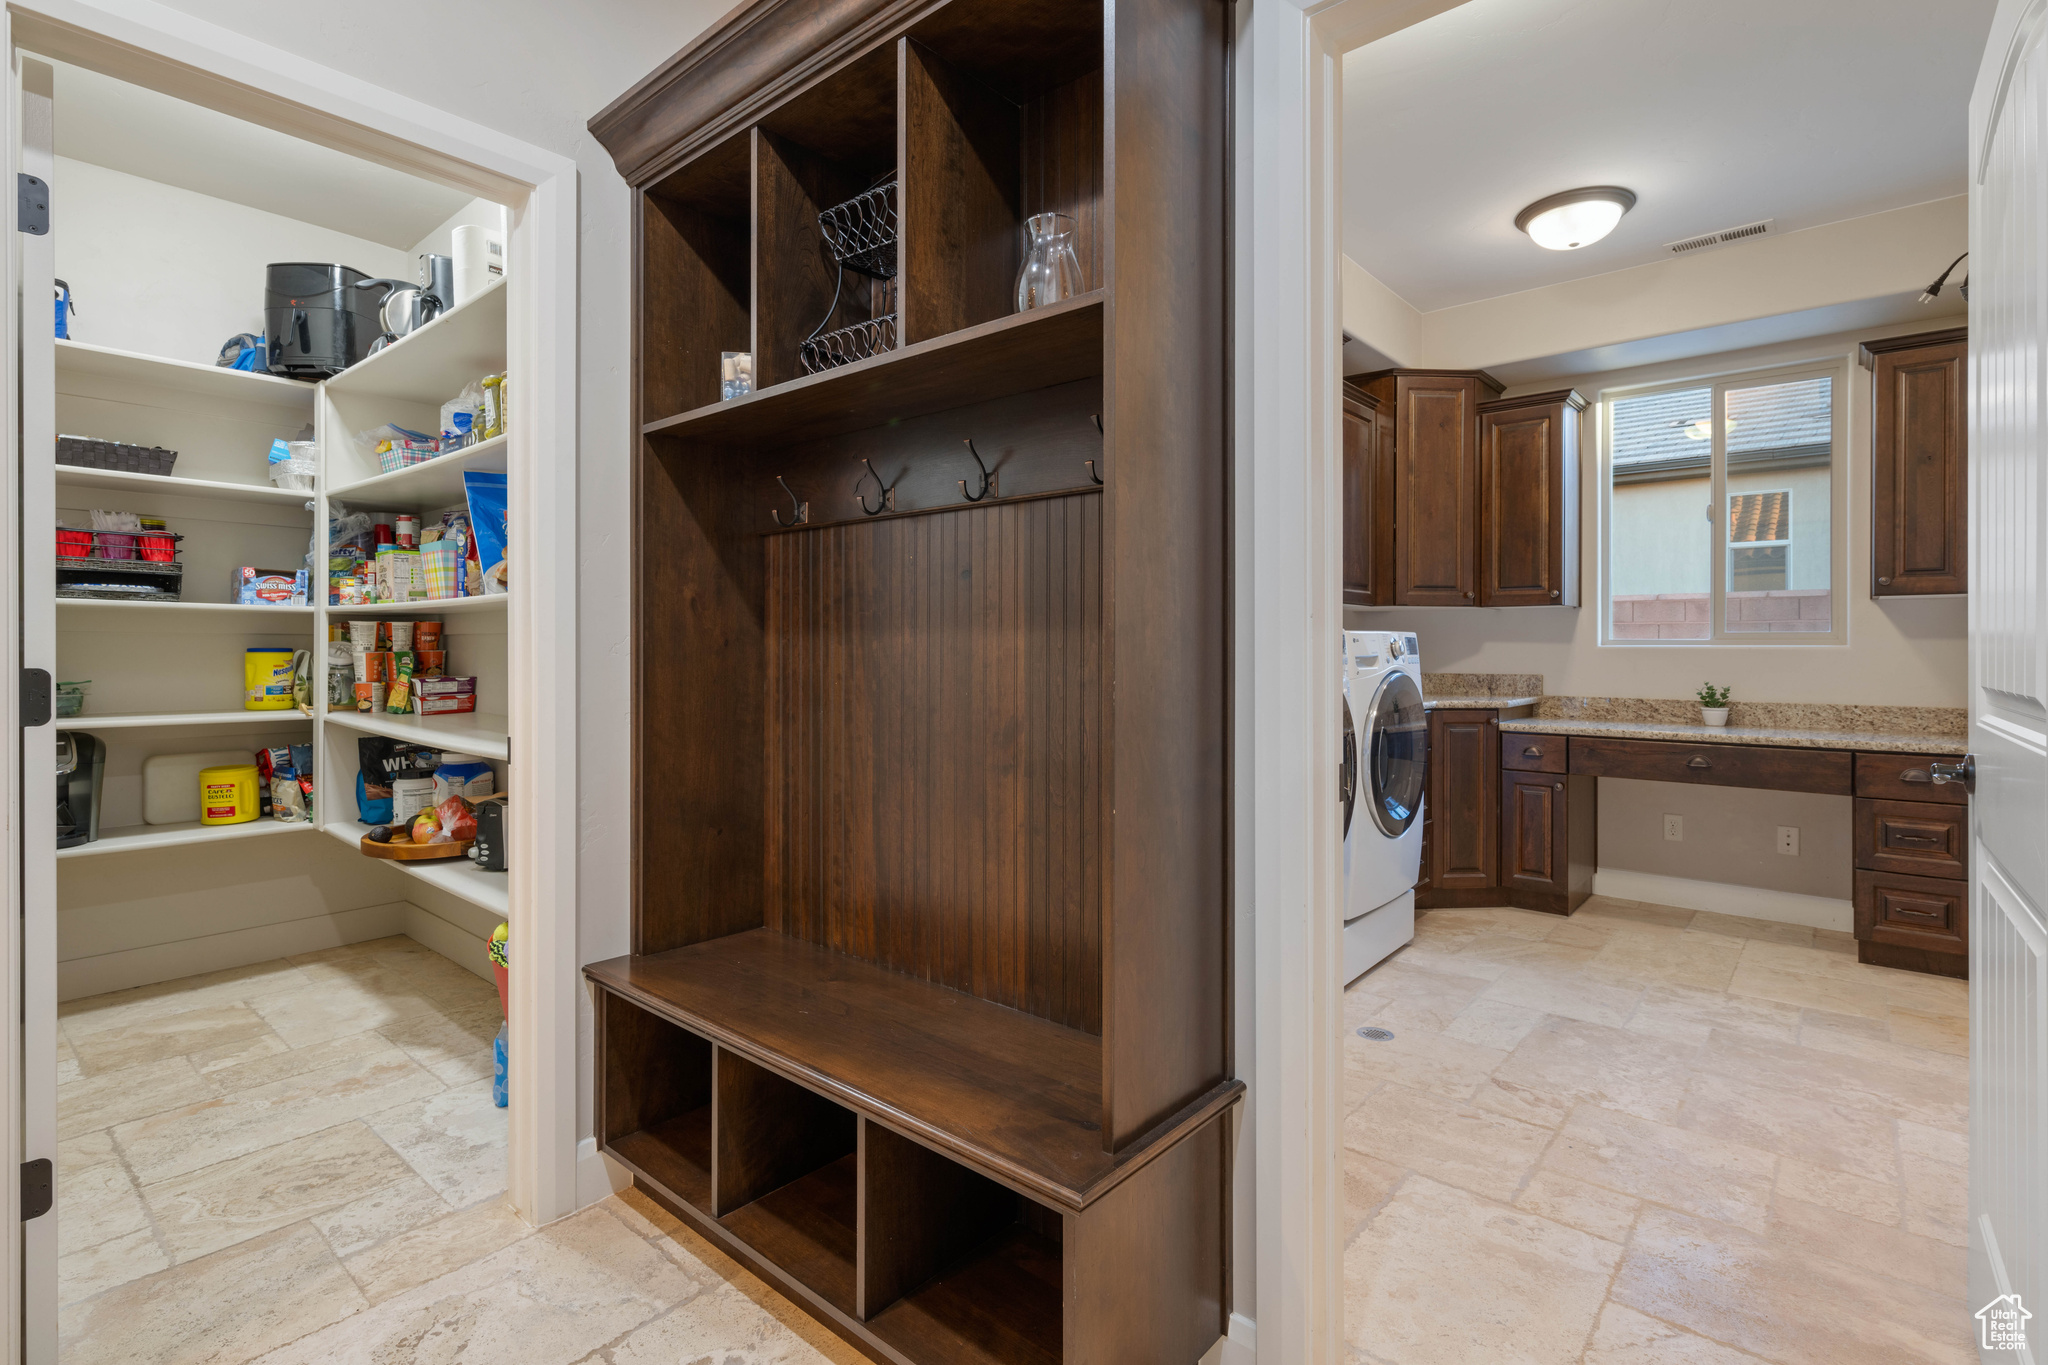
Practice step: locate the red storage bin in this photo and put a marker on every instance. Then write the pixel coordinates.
(74, 544)
(157, 547)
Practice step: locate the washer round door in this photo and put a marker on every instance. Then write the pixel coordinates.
(1347, 768)
(1399, 730)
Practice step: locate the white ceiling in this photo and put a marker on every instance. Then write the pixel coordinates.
(1715, 112)
(126, 128)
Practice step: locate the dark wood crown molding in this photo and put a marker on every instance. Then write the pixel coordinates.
(756, 56)
(1571, 398)
(1869, 351)
(1480, 375)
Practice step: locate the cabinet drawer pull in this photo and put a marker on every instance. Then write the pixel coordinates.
(1532, 752)
(1916, 775)
(1697, 762)
(1901, 838)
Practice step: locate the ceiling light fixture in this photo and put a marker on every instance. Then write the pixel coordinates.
(1576, 218)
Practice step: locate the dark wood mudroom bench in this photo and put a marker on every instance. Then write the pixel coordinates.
(1014, 1096)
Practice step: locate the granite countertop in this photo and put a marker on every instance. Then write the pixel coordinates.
(1476, 702)
(1876, 741)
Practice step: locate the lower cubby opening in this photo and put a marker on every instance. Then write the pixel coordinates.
(956, 1267)
(788, 1176)
(656, 1104)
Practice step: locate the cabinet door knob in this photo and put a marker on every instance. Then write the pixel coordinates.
(1554, 592)
(1696, 761)
(1884, 582)
(1557, 786)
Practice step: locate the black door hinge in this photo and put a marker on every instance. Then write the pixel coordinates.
(38, 1188)
(31, 205)
(35, 697)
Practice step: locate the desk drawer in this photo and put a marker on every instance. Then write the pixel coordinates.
(1532, 753)
(1928, 913)
(1904, 777)
(1918, 838)
(1713, 765)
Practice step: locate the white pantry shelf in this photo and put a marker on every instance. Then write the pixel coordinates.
(474, 732)
(428, 485)
(211, 382)
(431, 365)
(169, 485)
(456, 876)
(434, 607)
(135, 838)
(158, 720)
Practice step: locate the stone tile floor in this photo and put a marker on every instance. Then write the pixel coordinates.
(300, 1161)
(1649, 1136)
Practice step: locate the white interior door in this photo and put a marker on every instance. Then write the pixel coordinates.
(36, 408)
(2009, 670)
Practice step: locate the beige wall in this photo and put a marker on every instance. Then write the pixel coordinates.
(1730, 836)
(1908, 653)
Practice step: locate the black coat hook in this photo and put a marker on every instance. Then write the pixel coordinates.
(1093, 473)
(888, 500)
(803, 509)
(989, 488)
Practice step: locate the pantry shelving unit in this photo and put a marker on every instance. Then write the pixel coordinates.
(221, 422)
(926, 1016)
(406, 383)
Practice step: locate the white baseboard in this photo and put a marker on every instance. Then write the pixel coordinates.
(597, 1175)
(117, 971)
(451, 941)
(1725, 898)
(1238, 1346)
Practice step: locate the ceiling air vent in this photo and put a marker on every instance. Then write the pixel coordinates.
(1705, 240)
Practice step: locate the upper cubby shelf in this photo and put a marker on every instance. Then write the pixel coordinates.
(210, 382)
(1013, 354)
(431, 365)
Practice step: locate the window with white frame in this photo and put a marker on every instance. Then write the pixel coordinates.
(1719, 510)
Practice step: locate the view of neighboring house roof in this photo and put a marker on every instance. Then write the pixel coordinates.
(1777, 426)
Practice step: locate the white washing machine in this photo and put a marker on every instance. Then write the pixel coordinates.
(1386, 742)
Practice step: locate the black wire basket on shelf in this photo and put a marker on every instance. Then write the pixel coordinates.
(842, 346)
(860, 234)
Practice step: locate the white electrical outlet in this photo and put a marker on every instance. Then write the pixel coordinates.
(1788, 840)
(1674, 829)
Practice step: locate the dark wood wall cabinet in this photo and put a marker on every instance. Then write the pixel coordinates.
(904, 766)
(1464, 499)
(1919, 484)
(1368, 500)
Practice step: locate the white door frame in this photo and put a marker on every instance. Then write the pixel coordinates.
(154, 46)
(1289, 112)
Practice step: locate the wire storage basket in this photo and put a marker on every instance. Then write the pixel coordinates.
(830, 350)
(861, 233)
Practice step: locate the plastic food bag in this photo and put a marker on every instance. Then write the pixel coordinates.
(292, 464)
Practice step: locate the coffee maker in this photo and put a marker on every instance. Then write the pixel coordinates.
(81, 784)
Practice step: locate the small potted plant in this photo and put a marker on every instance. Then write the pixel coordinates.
(1714, 704)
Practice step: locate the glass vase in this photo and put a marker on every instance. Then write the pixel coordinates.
(1051, 270)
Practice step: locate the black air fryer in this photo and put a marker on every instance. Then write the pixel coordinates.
(317, 321)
